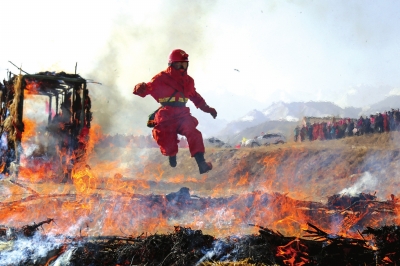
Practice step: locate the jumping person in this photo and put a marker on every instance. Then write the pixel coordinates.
(172, 88)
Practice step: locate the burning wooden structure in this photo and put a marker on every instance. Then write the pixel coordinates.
(68, 120)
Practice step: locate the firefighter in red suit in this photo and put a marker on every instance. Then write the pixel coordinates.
(172, 88)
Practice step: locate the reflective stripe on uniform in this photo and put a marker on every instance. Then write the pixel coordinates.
(167, 99)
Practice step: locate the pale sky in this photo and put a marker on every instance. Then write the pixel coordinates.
(347, 52)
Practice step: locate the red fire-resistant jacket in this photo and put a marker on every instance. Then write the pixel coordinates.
(164, 84)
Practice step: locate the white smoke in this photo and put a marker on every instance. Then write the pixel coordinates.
(30, 149)
(219, 247)
(36, 250)
(367, 183)
(65, 258)
(29, 251)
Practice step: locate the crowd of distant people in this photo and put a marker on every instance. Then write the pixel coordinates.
(344, 127)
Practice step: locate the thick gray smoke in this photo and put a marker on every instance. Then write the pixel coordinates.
(137, 49)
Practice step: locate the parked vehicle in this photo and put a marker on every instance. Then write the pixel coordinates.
(265, 140)
(217, 143)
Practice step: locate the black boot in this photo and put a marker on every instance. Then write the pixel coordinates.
(204, 166)
(172, 161)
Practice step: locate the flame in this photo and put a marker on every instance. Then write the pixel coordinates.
(244, 180)
(294, 253)
(95, 135)
(29, 129)
(37, 171)
(34, 169)
(82, 178)
(160, 173)
(32, 87)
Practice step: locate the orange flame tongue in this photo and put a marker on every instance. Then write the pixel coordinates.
(32, 86)
(294, 253)
(29, 129)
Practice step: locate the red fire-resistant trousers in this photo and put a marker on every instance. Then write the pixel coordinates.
(171, 121)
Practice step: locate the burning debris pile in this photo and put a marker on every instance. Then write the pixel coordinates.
(354, 244)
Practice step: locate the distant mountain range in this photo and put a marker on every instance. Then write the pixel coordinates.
(282, 117)
(391, 102)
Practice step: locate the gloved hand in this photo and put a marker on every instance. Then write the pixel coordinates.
(207, 109)
(140, 88)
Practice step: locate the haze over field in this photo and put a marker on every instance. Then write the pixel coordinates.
(264, 65)
(243, 55)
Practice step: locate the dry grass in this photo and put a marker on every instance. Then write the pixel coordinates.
(13, 117)
(306, 171)
(387, 140)
(236, 263)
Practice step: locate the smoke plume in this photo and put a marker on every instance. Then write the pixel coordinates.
(138, 49)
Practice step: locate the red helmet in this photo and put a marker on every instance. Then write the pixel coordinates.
(178, 55)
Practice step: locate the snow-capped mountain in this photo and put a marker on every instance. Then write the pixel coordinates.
(253, 115)
(297, 110)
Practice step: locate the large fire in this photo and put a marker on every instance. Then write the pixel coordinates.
(100, 200)
(111, 191)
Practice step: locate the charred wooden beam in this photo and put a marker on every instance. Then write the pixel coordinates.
(77, 79)
(29, 230)
(319, 234)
